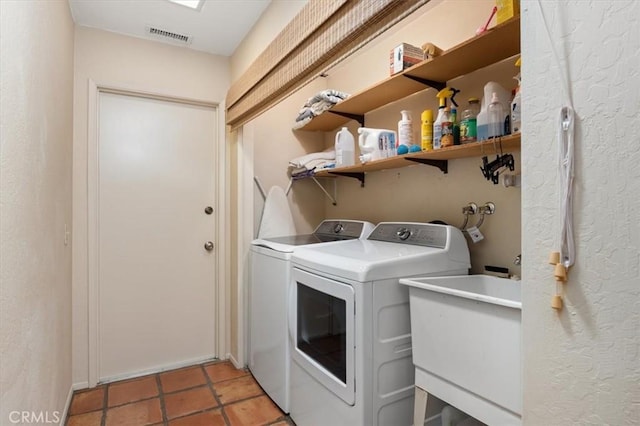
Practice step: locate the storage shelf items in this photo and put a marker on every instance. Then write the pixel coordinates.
(498, 43)
(436, 158)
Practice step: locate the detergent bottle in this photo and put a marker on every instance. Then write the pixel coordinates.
(375, 144)
(345, 148)
(516, 106)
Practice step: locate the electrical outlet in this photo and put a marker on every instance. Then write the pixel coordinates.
(475, 234)
(67, 234)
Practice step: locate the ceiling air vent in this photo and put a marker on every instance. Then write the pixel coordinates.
(180, 38)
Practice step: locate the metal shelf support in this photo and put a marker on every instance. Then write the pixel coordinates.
(443, 165)
(355, 175)
(358, 117)
(431, 83)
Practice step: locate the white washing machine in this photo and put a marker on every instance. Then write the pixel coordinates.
(349, 322)
(270, 277)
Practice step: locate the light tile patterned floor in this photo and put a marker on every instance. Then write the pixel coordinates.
(211, 394)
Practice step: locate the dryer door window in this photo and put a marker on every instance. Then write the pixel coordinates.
(322, 329)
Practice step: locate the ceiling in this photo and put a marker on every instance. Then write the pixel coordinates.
(217, 27)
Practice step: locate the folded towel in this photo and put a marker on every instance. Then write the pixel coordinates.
(318, 104)
(329, 154)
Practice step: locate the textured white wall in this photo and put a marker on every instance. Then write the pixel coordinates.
(36, 109)
(126, 62)
(582, 366)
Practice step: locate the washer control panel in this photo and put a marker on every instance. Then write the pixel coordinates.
(421, 234)
(340, 228)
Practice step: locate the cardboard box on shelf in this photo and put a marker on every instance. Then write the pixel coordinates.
(404, 56)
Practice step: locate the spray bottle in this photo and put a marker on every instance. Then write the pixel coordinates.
(516, 105)
(443, 127)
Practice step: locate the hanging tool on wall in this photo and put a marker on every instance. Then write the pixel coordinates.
(491, 170)
(565, 257)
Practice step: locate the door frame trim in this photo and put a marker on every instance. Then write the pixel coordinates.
(221, 205)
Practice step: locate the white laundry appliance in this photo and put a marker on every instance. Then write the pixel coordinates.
(349, 322)
(270, 277)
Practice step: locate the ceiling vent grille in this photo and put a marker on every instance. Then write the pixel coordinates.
(180, 38)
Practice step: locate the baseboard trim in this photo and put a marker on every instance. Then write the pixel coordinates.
(234, 361)
(159, 369)
(67, 405)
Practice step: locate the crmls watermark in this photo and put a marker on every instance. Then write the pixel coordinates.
(34, 417)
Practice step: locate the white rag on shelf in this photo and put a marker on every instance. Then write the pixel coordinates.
(306, 160)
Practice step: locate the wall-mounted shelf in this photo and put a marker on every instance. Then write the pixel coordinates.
(438, 158)
(498, 43)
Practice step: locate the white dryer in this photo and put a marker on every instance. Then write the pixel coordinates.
(270, 277)
(349, 322)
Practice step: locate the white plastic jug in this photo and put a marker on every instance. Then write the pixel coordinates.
(345, 148)
(376, 143)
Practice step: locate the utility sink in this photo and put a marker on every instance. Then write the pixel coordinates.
(466, 333)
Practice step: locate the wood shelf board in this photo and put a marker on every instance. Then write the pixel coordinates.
(499, 43)
(325, 121)
(475, 149)
(387, 91)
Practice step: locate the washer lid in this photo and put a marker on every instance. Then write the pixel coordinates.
(327, 231)
(373, 259)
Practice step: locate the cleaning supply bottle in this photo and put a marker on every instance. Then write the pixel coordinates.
(483, 118)
(516, 106)
(442, 96)
(456, 125)
(426, 131)
(468, 122)
(496, 117)
(405, 129)
(447, 129)
(345, 148)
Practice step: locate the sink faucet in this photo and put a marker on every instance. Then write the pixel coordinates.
(517, 260)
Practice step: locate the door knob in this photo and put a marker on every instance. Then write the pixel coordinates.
(208, 210)
(208, 246)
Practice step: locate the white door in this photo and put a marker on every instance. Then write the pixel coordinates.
(156, 280)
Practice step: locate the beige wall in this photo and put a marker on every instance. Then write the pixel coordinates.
(136, 64)
(271, 162)
(36, 111)
(582, 364)
(422, 193)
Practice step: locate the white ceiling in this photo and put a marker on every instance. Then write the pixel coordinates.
(218, 27)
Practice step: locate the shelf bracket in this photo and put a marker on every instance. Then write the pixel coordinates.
(358, 117)
(443, 165)
(356, 175)
(332, 198)
(431, 83)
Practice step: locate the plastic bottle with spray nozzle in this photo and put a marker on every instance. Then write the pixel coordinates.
(443, 127)
(516, 105)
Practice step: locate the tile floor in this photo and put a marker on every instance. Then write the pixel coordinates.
(211, 394)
